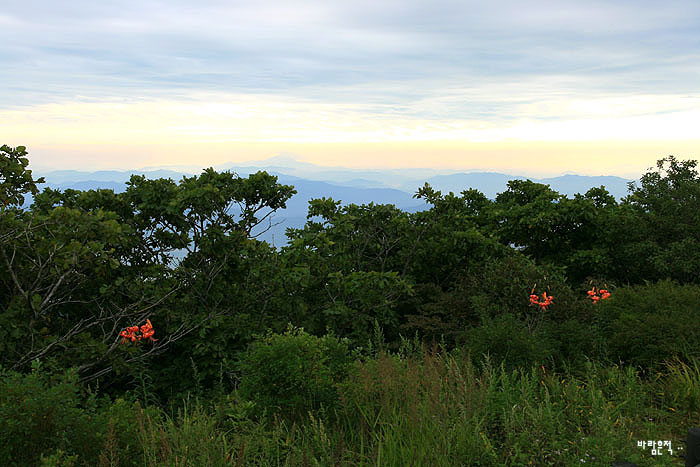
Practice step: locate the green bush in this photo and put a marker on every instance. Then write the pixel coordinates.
(294, 372)
(507, 339)
(647, 325)
(571, 342)
(44, 415)
(58, 459)
(504, 285)
(494, 287)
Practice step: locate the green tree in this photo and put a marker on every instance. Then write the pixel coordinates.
(78, 267)
(376, 262)
(15, 179)
(356, 262)
(554, 229)
(451, 237)
(212, 221)
(665, 214)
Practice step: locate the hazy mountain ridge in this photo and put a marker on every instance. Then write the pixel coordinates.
(357, 186)
(407, 180)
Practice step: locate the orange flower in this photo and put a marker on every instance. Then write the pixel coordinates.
(146, 332)
(547, 300)
(595, 298)
(147, 327)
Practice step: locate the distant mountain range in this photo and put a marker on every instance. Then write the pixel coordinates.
(389, 186)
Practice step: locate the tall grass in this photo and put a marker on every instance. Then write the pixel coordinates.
(417, 407)
(439, 409)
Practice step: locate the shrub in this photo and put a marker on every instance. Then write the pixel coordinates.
(43, 415)
(502, 286)
(58, 459)
(646, 325)
(294, 372)
(572, 342)
(507, 339)
(494, 287)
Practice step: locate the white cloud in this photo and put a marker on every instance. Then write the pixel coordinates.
(133, 47)
(225, 117)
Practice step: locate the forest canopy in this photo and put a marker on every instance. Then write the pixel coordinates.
(78, 266)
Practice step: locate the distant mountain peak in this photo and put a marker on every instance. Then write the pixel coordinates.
(284, 160)
(285, 157)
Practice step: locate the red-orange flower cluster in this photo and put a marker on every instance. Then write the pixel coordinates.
(593, 295)
(131, 333)
(546, 300)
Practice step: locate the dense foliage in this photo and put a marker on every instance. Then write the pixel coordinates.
(298, 347)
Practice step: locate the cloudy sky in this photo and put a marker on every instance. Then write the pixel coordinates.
(537, 87)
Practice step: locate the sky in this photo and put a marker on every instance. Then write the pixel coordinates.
(537, 88)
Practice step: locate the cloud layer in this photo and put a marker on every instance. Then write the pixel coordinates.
(349, 71)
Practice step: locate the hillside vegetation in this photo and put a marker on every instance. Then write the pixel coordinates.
(151, 327)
